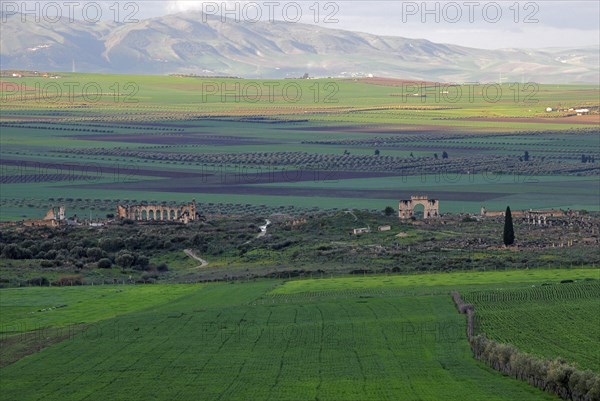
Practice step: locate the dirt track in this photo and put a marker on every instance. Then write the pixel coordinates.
(191, 254)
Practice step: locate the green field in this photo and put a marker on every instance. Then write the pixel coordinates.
(355, 144)
(527, 318)
(374, 338)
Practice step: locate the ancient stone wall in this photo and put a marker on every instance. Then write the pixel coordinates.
(158, 212)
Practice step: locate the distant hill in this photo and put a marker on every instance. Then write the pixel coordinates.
(183, 43)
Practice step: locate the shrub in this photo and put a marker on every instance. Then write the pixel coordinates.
(142, 262)
(104, 263)
(14, 251)
(95, 253)
(111, 244)
(149, 276)
(124, 259)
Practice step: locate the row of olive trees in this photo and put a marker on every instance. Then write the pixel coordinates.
(555, 376)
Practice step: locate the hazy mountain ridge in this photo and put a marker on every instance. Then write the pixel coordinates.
(183, 43)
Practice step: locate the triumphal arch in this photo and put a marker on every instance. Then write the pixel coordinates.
(406, 208)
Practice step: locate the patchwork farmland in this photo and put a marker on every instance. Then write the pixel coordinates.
(178, 138)
(295, 202)
(296, 280)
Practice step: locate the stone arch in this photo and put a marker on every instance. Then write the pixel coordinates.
(418, 210)
(406, 207)
(144, 214)
(151, 214)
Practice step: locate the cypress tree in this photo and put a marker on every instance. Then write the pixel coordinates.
(509, 232)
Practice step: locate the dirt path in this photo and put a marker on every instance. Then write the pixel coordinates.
(191, 254)
(263, 229)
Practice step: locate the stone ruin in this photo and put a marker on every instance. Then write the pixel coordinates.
(534, 217)
(54, 217)
(55, 213)
(157, 212)
(407, 207)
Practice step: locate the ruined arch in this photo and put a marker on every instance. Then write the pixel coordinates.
(418, 210)
(431, 207)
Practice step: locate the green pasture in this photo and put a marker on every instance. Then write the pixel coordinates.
(32, 308)
(346, 338)
(552, 321)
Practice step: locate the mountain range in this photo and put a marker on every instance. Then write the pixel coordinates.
(193, 43)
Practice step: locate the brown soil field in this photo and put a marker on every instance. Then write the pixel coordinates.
(177, 139)
(391, 81)
(378, 129)
(30, 178)
(586, 119)
(96, 170)
(10, 87)
(187, 186)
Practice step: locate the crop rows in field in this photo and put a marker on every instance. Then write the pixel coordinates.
(401, 138)
(110, 206)
(552, 321)
(553, 293)
(32, 178)
(83, 127)
(360, 293)
(407, 166)
(214, 344)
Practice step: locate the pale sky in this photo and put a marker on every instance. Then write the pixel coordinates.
(470, 23)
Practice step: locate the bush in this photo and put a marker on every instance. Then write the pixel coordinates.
(142, 262)
(124, 259)
(104, 263)
(111, 244)
(149, 276)
(95, 253)
(163, 267)
(14, 251)
(46, 263)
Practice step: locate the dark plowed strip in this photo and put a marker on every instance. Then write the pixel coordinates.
(19, 346)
